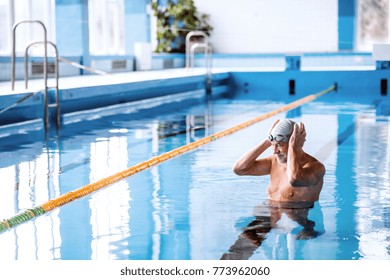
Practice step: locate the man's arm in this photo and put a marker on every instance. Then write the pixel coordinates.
(248, 164)
(302, 174)
(307, 175)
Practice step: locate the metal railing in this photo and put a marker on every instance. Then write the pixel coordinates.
(191, 34)
(45, 43)
(57, 95)
(190, 55)
(45, 76)
(207, 52)
(208, 62)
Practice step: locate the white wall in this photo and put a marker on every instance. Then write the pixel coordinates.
(272, 26)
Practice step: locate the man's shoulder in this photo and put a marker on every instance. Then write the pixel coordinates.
(310, 158)
(314, 162)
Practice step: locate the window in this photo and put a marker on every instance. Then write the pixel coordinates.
(12, 12)
(106, 27)
(373, 23)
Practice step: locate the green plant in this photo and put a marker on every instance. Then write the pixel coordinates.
(174, 21)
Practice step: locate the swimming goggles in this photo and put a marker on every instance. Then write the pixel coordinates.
(278, 138)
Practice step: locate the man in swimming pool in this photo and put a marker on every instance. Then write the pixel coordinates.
(296, 180)
(295, 176)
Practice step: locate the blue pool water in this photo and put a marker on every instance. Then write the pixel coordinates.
(193, 206)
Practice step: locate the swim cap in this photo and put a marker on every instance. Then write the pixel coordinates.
(282, 131)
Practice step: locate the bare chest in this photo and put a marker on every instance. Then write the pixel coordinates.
(279, 188)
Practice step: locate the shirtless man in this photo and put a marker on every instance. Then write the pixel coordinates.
(296, 180)
(295, 176)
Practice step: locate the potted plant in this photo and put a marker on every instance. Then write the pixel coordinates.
(174, 21)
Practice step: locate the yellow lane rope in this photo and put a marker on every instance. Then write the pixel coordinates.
(87, 189)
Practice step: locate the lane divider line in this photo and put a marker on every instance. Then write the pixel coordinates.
(90, 188)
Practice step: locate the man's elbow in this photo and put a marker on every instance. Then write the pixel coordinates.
(238, 170)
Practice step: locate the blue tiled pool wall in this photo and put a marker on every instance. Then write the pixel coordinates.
(277, 85)
(366, 87)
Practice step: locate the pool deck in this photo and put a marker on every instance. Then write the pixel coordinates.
(102, 80)
(79, 93)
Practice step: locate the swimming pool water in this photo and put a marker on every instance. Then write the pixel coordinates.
(193, 206)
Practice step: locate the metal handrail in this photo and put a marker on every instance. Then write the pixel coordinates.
(46, 107)
(26, 61)
(57, 105)
(208, 62)
(188, 37)
(207, 53)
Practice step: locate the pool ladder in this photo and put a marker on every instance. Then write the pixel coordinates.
(45, 43)
(190, 55)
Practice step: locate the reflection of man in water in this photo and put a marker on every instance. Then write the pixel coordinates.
(296, 180)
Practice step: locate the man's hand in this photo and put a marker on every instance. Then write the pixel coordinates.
(298, 137)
